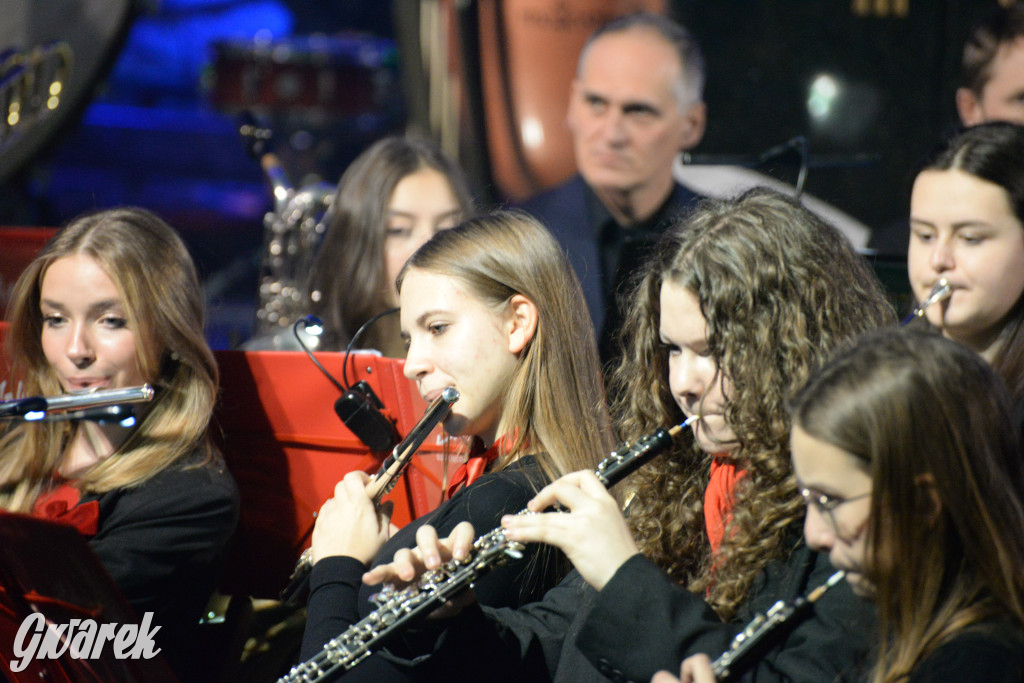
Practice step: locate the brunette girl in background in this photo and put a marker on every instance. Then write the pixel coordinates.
(967, 228)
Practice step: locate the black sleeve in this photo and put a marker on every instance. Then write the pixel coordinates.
(166, 538)
(331, 608)
(643, 621)
(164, 543)
(973, 657)
(503, 644)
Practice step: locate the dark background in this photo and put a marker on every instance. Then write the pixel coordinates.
(154, 123)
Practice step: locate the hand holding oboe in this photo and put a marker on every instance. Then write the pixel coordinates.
(589, 529)
(586, 524)
(430, 552)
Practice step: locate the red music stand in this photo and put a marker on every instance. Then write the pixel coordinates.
(287, 449)
(49, 568)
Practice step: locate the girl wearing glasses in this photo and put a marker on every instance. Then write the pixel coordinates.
(904, 449)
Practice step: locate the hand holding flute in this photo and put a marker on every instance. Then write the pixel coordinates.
(587, 523)
(354, 522)
(350, 523)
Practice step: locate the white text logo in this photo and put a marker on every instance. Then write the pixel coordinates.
(82, 639)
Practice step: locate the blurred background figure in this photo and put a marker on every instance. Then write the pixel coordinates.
(992, 69)
(394, 197)
(635, 105)
(146, 115)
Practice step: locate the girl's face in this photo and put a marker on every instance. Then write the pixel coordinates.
(422, 204)
(456, 340)
(87, 337)
(963, 229)
(837, 489)
(696, 384)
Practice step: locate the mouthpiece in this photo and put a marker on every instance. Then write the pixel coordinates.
(940, 292)
(676, 430)
(820, 590)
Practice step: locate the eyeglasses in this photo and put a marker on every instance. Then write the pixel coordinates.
(826, 504)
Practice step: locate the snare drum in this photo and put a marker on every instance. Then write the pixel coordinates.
(342, 75)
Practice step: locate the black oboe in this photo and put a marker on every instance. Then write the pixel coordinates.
(765, 631)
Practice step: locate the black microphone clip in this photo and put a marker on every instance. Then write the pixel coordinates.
(359, 408)
(361, 411)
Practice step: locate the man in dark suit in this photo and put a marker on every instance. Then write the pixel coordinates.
(992, 69)
(636, 103)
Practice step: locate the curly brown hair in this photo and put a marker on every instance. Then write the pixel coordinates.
(779, 289)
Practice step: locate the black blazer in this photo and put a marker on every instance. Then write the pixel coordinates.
(164, 543)
(641, 622)
(566, 212)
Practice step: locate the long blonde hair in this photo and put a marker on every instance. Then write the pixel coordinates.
(159, 288)
(555, 401)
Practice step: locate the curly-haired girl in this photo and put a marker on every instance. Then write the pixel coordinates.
(742, 301)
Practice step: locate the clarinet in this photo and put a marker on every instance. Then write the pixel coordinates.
(383, 481)
(765, 630)
(398, 609)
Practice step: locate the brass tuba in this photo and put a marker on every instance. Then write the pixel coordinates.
(291, 234)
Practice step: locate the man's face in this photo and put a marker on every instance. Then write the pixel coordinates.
(624, 115)
(1002, 98)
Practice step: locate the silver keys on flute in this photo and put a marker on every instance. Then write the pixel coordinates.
(19, 408)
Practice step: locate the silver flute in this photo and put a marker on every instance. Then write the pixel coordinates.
(765, 631)
(398, 609)
(75, 401)
(382, 483)
(940, 292)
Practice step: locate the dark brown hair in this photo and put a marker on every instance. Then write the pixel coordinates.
(779, 289)
(912, 405)
(347, 284)
(994, 152)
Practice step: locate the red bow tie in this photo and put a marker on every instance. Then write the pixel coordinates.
(61, 505)
(475, 465)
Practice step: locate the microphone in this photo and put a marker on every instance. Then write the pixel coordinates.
(359, 408)
(794, 146)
